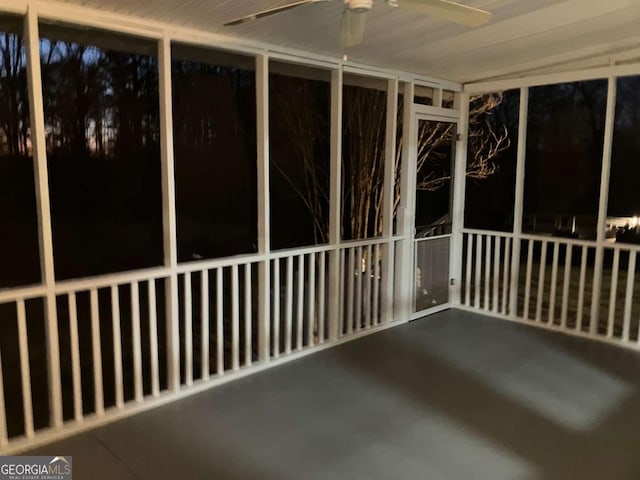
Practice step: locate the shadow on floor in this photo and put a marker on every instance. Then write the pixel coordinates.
(477, 372)
(456, 396)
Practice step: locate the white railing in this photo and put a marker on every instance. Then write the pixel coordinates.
(361, 277)
(486, 271)
(554, 284)
(119, 343)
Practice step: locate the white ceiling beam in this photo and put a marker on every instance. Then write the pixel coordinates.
(552, 78)
(625, 57)
(532, 24)
(15, 6)
(605, 53)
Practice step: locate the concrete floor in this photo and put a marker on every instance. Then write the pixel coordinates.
(453, 396)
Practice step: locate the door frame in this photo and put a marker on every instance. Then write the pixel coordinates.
(427, 113)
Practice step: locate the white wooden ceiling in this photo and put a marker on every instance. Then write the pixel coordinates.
(524, 36)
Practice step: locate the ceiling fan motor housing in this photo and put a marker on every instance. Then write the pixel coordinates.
(359, 5)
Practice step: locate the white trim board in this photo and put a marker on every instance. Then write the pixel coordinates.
(553, 78)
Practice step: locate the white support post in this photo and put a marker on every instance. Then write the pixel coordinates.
(628, 298)
(75, 360)
(264, 235)
(437, 97)
(602, 207)
(220, 321)
(25, 372)
(235, 317)
(248, 334)
(322, 301)
(276, 308)
(96, 350)
(36, 111)
(518, 201)
(187, 328)
(335, 203)
(169, 214)
(404, 268)
(457, 207)
(136, 339)
(389, 201)
(582, 281)
(153, 338)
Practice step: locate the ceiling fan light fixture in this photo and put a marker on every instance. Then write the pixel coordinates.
(355, 14)
(359, 6)
(353, 26)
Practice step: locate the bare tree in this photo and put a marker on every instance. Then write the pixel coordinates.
(486, 140)
(306, 123)
(13, 94)
(363, 150)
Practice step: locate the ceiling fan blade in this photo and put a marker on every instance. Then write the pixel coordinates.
(353, 26)
(272, 11)
(454, 12)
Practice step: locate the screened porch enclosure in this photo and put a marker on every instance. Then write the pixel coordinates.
(180, 209)
(563, 256)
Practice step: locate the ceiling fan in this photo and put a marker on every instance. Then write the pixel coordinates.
(355, 14)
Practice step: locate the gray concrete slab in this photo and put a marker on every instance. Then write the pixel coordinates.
(452, 396)
(92, 458)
